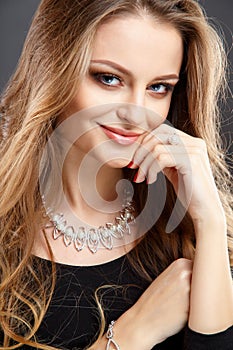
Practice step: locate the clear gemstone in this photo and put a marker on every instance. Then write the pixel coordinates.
(114, 228)
(81, 233)
(104, 232)
(69, 231)
(93, 234)
(61, 226)
(127, 215)
(58, 218)
(93, 237)
(120, 228)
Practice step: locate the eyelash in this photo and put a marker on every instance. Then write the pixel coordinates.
(168, 87)
(99, 75)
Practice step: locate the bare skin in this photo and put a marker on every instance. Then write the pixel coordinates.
(149, 52)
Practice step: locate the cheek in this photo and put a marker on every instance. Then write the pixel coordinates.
(77, 104)
(83, 99)
(88, 141)
(165, 106)
(166, 109)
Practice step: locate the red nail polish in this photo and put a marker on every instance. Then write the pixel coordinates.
(130, 165)
(135, 177)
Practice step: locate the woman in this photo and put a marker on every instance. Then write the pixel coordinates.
(115, 101)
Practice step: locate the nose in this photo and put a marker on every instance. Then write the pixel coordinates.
(133, 109)
(136, 111)
(132, 114)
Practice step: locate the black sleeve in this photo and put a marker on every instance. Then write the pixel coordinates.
(217, 341)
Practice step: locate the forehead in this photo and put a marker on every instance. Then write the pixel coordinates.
(139, 42)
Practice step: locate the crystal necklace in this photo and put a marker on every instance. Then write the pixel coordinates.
(93, 238)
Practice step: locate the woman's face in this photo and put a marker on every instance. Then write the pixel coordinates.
(134, 68)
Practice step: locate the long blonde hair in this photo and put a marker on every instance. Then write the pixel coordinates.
(55, 58)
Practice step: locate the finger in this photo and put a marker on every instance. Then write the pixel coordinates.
(155, 163)
(168, 129)
(151, 146)
(163, 132)
(143, 150)
(182, 139)
(146, 160)
(148, 168)
(151, 141)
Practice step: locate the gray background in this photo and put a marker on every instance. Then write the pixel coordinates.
(15, 18)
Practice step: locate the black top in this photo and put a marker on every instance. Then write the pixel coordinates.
(72, 319)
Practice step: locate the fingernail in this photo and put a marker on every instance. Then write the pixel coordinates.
(130, 165)
(135, 177)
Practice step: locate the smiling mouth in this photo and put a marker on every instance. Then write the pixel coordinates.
(120, 136)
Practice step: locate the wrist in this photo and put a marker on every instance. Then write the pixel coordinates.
(212, 223)
(126, 334)
(124, 337)
(129, 334)
(132, 332)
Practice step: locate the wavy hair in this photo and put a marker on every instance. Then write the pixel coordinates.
(54, 60)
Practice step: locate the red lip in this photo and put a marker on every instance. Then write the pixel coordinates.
(121, 131)
(120, 136)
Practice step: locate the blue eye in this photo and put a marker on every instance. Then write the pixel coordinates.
(161, 88)
(107, 79)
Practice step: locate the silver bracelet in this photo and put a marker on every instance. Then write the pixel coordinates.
(109, 336)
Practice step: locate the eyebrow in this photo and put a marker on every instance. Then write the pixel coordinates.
(127, 72)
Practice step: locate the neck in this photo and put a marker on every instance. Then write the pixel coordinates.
(90, 187)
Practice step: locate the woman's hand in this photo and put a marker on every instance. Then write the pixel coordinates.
(185, 164)
(160, 312)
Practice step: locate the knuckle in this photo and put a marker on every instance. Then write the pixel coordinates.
(184, 275)
(181, 262)
(183, 267)
(157, 148)
(161, 158)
